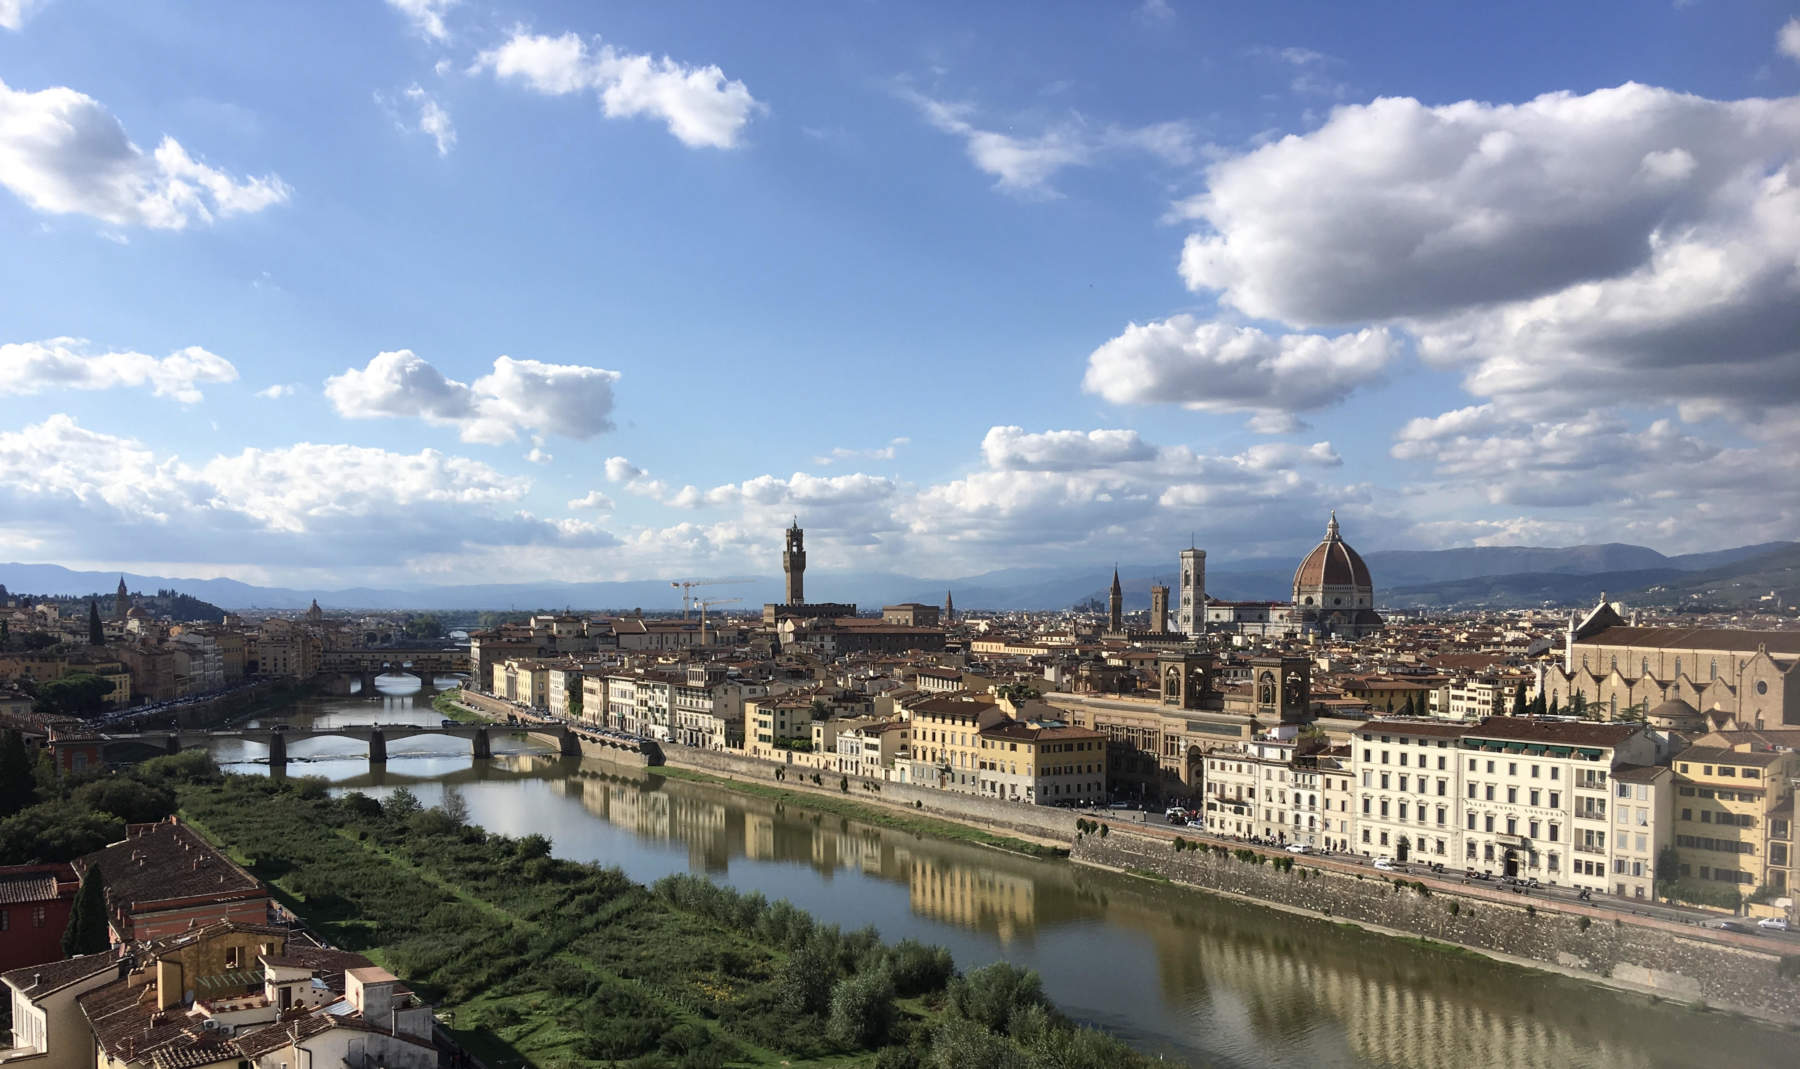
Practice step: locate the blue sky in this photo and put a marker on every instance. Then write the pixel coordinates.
(443, 291)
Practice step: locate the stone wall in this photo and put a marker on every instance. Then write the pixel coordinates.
(1636, 952)
(1044, 822)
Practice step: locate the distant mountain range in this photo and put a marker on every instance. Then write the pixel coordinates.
(1485, 575)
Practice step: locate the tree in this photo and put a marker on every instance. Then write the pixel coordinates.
(1555, 705)
(15, 774)
(80, 694)
(87, 931)
(862, 1009)
(1668, 869)
(804, 982)
(1578, 705)
(423, 626)
(401, 804)
(455, 806)
(1518, 706)
(96, 633)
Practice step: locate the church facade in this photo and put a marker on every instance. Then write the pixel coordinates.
(1686, 678)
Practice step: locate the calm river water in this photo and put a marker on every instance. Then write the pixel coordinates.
(1199, 979)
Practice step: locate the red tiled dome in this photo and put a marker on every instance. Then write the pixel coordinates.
(1332, 563)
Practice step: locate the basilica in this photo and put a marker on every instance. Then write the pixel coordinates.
(1333, 597)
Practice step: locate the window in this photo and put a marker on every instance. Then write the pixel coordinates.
(1536, 796)
(1555, 800)
(1512, 795)
(1488, 823)
(1471, 822)
(37, 916)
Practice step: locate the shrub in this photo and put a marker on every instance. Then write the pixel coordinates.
(862, 1009)
(1585, 923)
(1454, 908)
(917, 968)
(992, 994)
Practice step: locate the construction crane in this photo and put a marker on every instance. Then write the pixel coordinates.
(706, 604)
(687, 587)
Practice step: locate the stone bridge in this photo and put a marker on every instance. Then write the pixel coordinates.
(365, 663)
(377, 736)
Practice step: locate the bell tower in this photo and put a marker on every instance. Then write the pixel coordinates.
(1115, 606)
(793, 562)
(1190, 614)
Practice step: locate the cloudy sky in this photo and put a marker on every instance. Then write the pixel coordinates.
(422, 291)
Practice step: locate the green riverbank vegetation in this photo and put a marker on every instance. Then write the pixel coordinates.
(449, 705)
(538, 960)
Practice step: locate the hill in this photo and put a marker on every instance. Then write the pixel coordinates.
(1480, 575)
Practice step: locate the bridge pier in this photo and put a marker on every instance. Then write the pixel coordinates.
(377, 748)
(483, 747)
(568, 744)
(368, 684)
(277, 749)
(174, 743)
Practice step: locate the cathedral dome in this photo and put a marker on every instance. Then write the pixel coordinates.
(1332, 563)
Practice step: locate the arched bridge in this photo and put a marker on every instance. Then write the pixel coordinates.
(377, 736)
(422, 661)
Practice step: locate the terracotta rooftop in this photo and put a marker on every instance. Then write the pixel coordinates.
(1560, 732)
(31, 883)
(1731, 639)
(36, 981)
(158, 862)
(1718, 755)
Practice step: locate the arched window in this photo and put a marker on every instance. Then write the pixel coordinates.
(1615, 662)
(1646, 667)
(1677, 668)
(1713, 672)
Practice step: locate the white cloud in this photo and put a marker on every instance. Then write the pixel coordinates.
(619, 470)
(518, 396)
(1787, 42)
(71, 364)
(62, 152)
(427, 16)
(1024, 164)
(434, 121)
(885, 452)
(1217, 367)
(98, 496)
(593, 499)
(13, 13)
(1628, 243)
(277, 391)
(1012, 449)
(538, 456)
(1155, 13)
(699, 106)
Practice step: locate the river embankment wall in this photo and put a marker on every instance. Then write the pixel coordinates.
(1635, 953)
(1007, 818)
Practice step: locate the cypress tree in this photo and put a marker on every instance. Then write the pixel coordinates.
(1518, 708)
(1555, 705)
(86, 933)
(96, 633)
(15, 775)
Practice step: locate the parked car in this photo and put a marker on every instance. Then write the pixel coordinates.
(1734, 926)
(1299, 848)
(1385, 863)
(1774, 924)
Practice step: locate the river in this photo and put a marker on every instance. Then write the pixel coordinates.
(1197, 978)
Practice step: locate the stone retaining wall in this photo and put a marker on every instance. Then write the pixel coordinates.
(1044, 822)
(1629, 952)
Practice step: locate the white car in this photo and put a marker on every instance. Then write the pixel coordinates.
(1778, 924)
(1299, 848)
(1385, 863)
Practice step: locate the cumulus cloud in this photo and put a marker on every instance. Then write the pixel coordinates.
(698, 104)
(13, 13)
(517, 396)
(1609, 478)
(1024, 164)
(277, 391)
(97, 495)
(1217, 367)
(1012, 449)
(62, 152)
(1787, 41)
(619, 470)
(593, 499)
(426, 16)
(1632, 242)
(73, 364)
